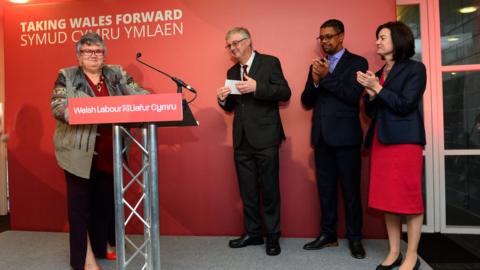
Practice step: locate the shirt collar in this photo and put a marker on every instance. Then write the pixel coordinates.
(337, 55)
(250, 61)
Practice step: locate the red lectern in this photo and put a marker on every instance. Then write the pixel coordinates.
(146, 112)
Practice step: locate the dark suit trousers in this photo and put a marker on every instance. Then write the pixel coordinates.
(90, 209)
(343, 164)
(258, 177)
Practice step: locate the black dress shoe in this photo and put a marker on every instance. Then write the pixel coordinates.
(245, 240)
(321, 242)
(396, 263)
(356, 249)
(273, 246)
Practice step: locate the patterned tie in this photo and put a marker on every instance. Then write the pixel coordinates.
(244, 72)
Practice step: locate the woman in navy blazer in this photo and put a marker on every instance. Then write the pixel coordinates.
(396, 137)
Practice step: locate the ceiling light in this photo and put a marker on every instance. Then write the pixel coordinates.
(469, 9)
(452, 39)
(453, 73)
(19, 1)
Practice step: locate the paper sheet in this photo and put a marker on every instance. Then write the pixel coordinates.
(231, 84)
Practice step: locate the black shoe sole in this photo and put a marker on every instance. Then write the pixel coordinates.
(273, 254)
(358, 257)
(250, 244)
(334, 244)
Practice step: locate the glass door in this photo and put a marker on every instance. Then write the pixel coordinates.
(413, 14)
(458, 29)
(448, 43)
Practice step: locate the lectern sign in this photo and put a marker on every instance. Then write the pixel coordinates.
(126, 109)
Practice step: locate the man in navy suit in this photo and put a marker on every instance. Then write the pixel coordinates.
(257, 134)
(334, 94)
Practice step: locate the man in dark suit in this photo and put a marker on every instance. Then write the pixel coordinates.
(257, 134)
(334, 94)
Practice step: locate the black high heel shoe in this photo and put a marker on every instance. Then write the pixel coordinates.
(417, 265)
(396, 263)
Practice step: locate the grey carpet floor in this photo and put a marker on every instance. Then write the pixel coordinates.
(20, 250)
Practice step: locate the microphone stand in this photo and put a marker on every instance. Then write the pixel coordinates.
(180, 84)
(188, 118)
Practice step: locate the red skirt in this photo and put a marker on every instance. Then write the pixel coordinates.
(396, 178)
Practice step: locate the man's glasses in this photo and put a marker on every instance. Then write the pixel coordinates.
(327, 37)
(88, 52)
(234, 43)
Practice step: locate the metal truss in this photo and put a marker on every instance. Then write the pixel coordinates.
(145, 178)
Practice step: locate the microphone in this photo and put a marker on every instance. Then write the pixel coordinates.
(178, 81)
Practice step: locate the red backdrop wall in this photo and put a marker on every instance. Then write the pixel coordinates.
(198, 187)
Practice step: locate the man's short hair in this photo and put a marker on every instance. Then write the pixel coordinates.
(242, 30)
(336, 24)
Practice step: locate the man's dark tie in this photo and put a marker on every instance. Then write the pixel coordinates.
(244, 72)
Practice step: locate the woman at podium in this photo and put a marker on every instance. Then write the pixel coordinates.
(85, 152)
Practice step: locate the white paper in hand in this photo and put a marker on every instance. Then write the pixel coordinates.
(232, 85)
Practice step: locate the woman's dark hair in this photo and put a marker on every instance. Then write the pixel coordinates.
(402, 39)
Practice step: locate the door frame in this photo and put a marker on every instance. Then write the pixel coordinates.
(435, 152)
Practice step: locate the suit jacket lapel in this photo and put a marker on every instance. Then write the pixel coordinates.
(255, 64)
(236, 73)
(80, 83)
(396, 69)
(342, 62)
